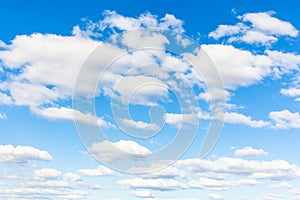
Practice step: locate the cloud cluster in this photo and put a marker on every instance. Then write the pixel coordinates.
(22, 154)
(256, 28)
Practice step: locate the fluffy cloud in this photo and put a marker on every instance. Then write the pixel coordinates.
(237, 118)
(108, 152)
(263, 29)
(140, 124)
(22, 154)
(285, 119)
(274, 170)
(249, 151)
(215, 196)
(147, 20)
(70, 114)
(238, 67)
(47, 173)
(100, 171)
(265, 22)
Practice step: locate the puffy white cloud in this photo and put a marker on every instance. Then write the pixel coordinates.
(108, 151)
(291, 92)
(238, 67)
(142, 90)
(100, 171)
(64, 113)
(22, 154)
(264, 29)
(5, 99)
(71, 177)
(228, 30)
(272, 170)
(168, 173)
(237, 118)
(265, 22)
(147, 20)
(216, 196)
(249, 151)
(285, 119)
(47, 173)
(255, 37)
(140, 124)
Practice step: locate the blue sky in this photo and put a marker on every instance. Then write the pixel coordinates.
(117, 100)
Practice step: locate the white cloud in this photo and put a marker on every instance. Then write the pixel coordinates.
(282, 185)
(71, 177)
(263, 29)
(228, 30)
(22, 154)
(285, 119)
(147, 20)
(249, 151)
(70, 114)
(140, 124)
(253, 37)
(215, 196)
(47, 173)
(142, 194)
(3, 116)
(100, 171)
(168, 173)
(253, 169)
(5, 99)
(237, 118)
(265, 22)
(141, 90)
(153, 184)
(176, 119)
(238, 67)
(291, 92)
(108, 152)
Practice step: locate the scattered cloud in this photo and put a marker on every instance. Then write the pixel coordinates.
(22, 154)
(237, 118)
(215, 196)
(256, 28)
(108, 151)
(285, 119)
(63, 113)
(100, 171)
(249, 151)
(47, 173)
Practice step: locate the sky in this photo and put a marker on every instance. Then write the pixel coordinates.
(154, 100)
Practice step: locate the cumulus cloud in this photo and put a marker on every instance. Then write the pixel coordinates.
(237, 118)
(47, 173)
(122, 149)
(100, 171)
(216, 196)
(249, 151)
(63, 113)
(253, 169)
(140, 124)
(22, 154)
(285, 119)
(255, 28)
